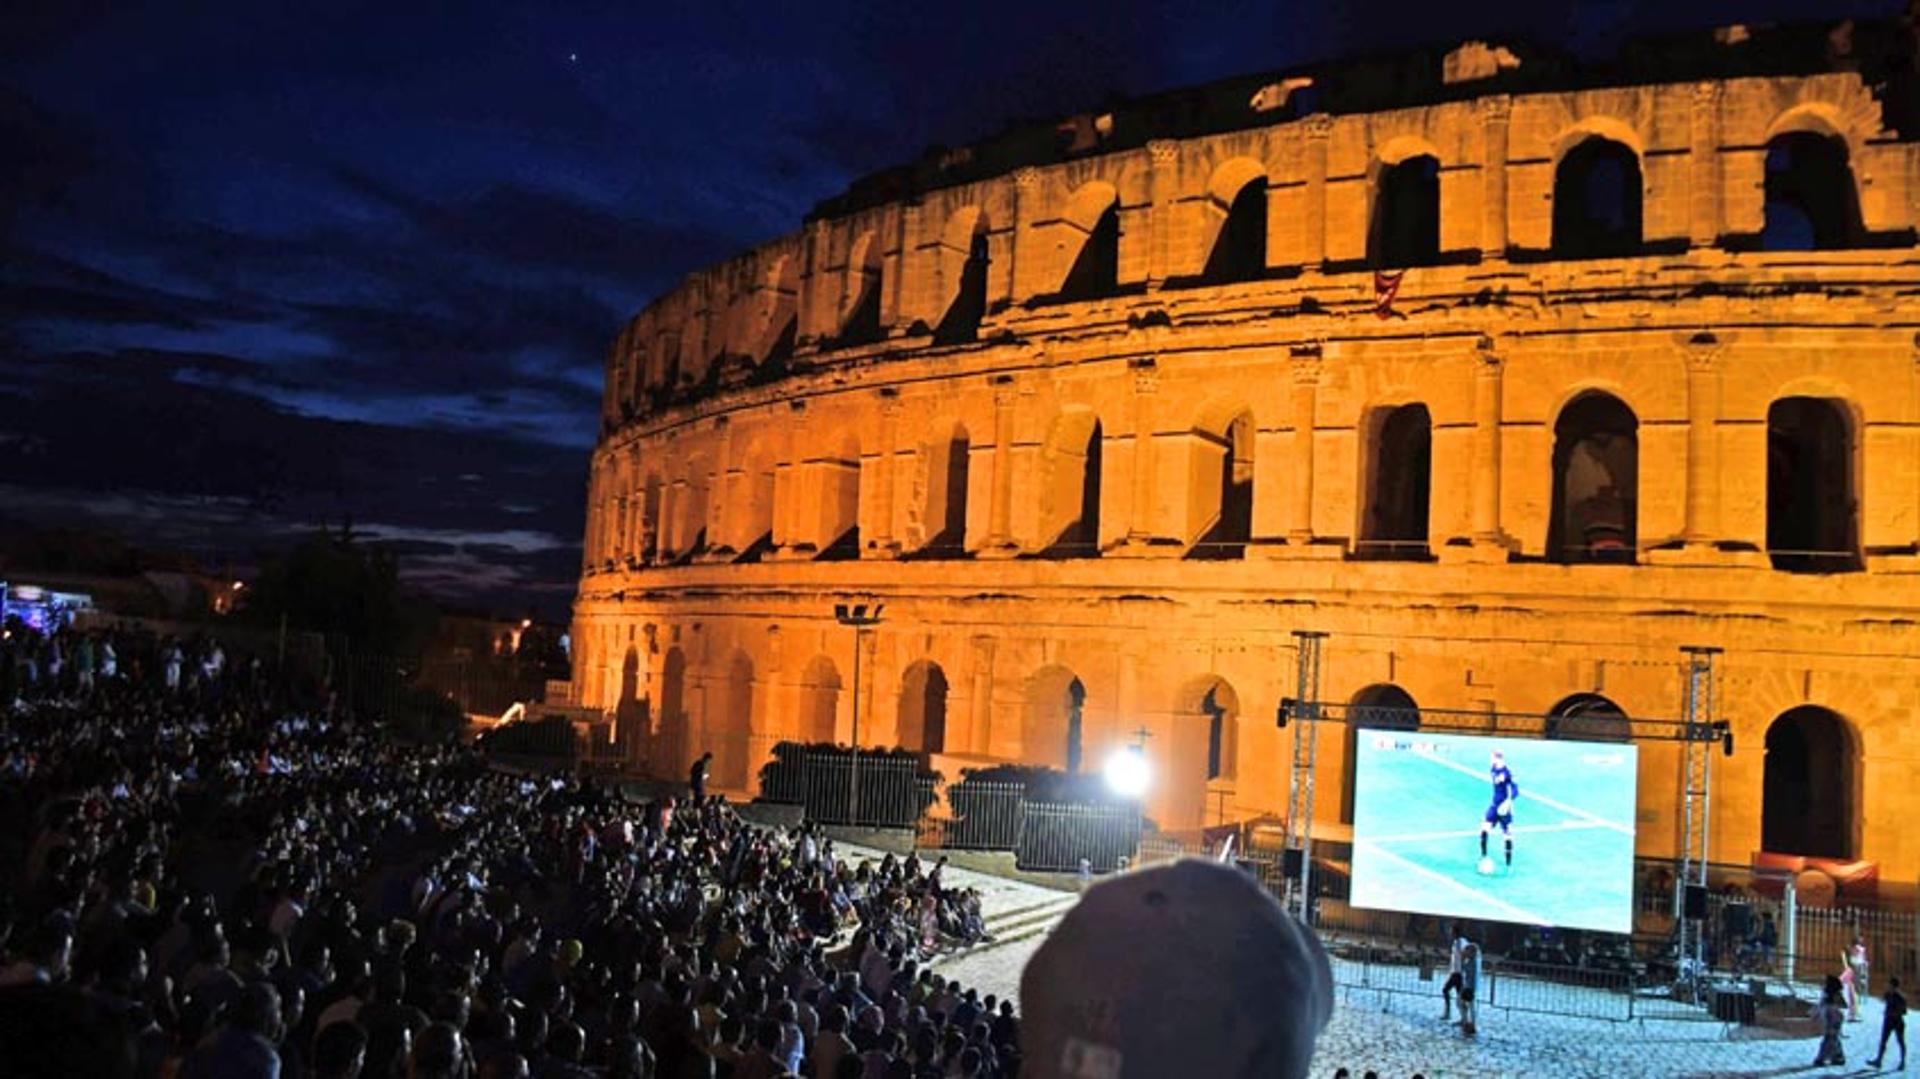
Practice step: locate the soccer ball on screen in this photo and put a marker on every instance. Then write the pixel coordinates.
(1486, 867)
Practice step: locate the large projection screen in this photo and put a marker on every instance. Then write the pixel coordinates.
(1420, 803)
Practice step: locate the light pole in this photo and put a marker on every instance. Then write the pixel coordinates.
(859, 617)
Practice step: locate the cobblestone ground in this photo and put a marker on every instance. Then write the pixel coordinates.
(1399, 1035)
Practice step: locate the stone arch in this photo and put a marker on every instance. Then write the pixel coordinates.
(839, 476)
(1382, 706)
(1398, 481)
(1598, 195)
(1216, 703)
(1404, 229)
(1070, 503)
(779, 313)
(1809, 791)
(817, 702)
(730, 726)
(1237, 194)
(1053, 722)
(1219, 519)
(1812, 501)
(1588, 717)
(860, 294)
(754, 501)
(1812, 201)
(672, 719)
(964, 258)
(944, 514)
(923, 708)
(1594, 516)
(1090, 242)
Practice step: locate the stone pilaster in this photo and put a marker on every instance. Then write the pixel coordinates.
(883, 544)
(1489, 541)
(999, 542)
(1146, 384)
(1304, 369)
(1495, 113)
(1319, 127)
(1705, 216)
(1026, 259)
(1164, 157)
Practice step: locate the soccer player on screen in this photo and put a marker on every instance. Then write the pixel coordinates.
(1506, 791)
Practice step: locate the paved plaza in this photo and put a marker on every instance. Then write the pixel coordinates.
(1399, 1035)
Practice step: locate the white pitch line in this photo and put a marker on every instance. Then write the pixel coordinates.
(1520, 914)
(1537, 829)
(1575, 811)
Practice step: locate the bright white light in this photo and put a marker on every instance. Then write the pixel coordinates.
(1127, 772)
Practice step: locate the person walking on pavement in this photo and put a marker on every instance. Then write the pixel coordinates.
(1832, 1014)
(1455, 979)
(697, 777)
(1893, 1024)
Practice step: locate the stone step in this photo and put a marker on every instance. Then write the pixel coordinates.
(1011, 914)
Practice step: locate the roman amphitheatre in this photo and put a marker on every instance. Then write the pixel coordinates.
(1514, 379)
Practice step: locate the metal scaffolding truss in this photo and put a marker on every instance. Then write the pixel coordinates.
(1305, 707)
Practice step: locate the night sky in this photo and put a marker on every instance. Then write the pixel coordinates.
(265, 265)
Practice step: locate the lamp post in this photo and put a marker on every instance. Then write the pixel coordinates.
(859, 617)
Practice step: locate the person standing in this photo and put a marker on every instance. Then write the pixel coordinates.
(1857, 959)
(1833, 1015)
(1469, 987)
(697, 777)
(1893, 1023)
(1454, 979)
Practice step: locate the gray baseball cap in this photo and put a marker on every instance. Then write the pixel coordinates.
(1189, 969)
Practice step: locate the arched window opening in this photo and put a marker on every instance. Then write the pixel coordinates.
(1597, 201)
(1811, 506)
(1240, 250)
(1596, 461)
(1096, 268)
(1399, 483)
(840, 503)
(1221, 707)
(861, 325)
(946, 509)
(728, 734)
(673, 714)
(1811, 201)
(1588, 717)
(923, 708)
(1384, 707)
(1406, 215)
(1053, 727)
(819, 702)
(1070, 513)
(1807, 792)
(961, 323)
(1222, 489)
(650, 521)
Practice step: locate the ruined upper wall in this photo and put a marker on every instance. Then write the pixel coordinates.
(972, 253)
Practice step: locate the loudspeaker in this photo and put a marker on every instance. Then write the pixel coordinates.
(1290, 862)
(1696, 901)
(1738, 920)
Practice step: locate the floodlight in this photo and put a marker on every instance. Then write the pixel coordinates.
(1127, 772)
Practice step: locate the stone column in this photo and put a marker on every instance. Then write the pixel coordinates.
(980, 721)
(1146, 383)
(1304, 366)
(895, 306)
(1703, 420)
(999, 542)
(882, 544)
(1164, 156)
(794, 539)
(719, 536)
(1494, 114)
(1488, 370)
(1319, 127)
(1703, 153)
(1025, 258)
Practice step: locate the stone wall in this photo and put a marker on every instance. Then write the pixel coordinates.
(799, 426)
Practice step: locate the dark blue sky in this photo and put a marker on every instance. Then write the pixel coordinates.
(268, 264)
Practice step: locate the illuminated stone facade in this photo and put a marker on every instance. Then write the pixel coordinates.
(1101, 431)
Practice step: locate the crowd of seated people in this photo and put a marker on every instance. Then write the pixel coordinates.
(199, 877)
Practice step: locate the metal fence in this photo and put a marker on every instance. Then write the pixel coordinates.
(840, 787)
